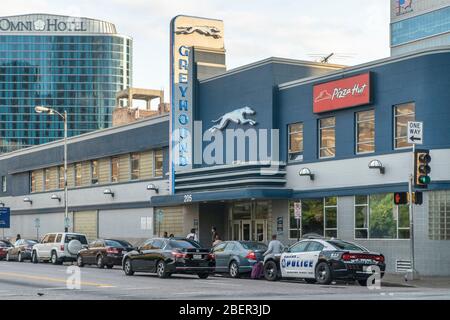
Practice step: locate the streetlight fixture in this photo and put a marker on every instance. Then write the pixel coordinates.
(377, 165)
(306, 172)
(63, 116)
(109, 192)
(152, 187)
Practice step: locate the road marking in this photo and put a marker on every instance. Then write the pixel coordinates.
(40, 278)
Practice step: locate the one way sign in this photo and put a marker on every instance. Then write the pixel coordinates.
(415, 132)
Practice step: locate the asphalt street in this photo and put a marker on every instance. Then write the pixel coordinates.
(47, 282)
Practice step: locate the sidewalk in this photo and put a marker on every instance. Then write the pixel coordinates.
(398, 280)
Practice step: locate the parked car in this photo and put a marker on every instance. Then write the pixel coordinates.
(58, 247)
(238, 257)
(21, 250)
(322, 261)
(4, 247)
(104, 252)
(168, 256)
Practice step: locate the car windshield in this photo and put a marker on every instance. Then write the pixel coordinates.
(255, 246)
(79, 237)
(343, 245)
(183, 244)
(124, 243)
(117, 244)
(30, 241)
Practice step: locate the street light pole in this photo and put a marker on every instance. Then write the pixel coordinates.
(66, 198)
(50, 111)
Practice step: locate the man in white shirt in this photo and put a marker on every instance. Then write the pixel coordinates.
(275, 246)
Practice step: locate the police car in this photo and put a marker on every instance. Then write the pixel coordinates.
(323, 261)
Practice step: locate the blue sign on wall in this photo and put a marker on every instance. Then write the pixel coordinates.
(5, 214)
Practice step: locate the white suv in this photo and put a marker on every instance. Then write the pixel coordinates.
(58, 247)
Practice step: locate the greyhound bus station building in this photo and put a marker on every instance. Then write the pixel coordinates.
(302, 136)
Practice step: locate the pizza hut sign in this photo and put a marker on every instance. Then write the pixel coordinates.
(344, 93)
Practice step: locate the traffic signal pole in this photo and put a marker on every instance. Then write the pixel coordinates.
(414, 273)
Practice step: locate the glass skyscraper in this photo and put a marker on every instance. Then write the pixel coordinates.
(66, 63)
(419, 24)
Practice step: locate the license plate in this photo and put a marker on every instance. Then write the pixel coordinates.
(197, 257)
(367, 270)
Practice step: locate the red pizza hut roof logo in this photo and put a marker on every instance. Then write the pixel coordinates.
(343, 93)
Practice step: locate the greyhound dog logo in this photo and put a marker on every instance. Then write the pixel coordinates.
(237, 116)
(404, 6)
(203, 30)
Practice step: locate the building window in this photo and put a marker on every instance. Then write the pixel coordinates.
(115, 169)
(4, 184)
(158, 164)
(78, 175)
(46, 179)
(319, 217)
(330, 217)
(33, 181)
(439, 215)
(295, 138)
(94, 172)
(61, 183)
(376, 217)
(365, 131)
(327, 137)
(402, 115)
(135, 167)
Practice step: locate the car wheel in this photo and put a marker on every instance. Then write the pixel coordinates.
(161, 269)
(271, 271)
(203, 275)
(34, 257)
(19, 257)
(310, 281)
(80, 262)
(110, 266)
(100, 263)
(54, 258)
(363, 283)
(323, 273)
(128, 268)
(7, 257)
(234, 270)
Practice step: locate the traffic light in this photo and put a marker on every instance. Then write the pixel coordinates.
(418, 198)
(400, 198)
(422, 169)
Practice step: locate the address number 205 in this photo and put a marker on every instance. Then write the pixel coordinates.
(188, 198)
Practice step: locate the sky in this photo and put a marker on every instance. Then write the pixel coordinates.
(357, 31)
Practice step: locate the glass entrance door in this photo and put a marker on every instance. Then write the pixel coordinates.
(261, 231)
(246, 230)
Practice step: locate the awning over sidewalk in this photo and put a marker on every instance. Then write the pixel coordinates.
(225, 195)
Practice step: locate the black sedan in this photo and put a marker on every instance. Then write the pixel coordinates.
(168, 256)
(21, 250)
(104, 252)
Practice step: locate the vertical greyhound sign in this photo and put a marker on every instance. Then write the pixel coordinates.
(187, 33)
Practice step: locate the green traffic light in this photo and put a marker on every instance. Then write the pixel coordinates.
(425, 180)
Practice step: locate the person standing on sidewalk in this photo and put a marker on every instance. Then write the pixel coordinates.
(275, 246)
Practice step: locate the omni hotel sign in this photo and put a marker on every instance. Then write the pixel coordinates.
(187, 33)
(43, 25)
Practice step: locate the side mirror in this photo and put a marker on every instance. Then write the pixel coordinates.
(286, 250)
